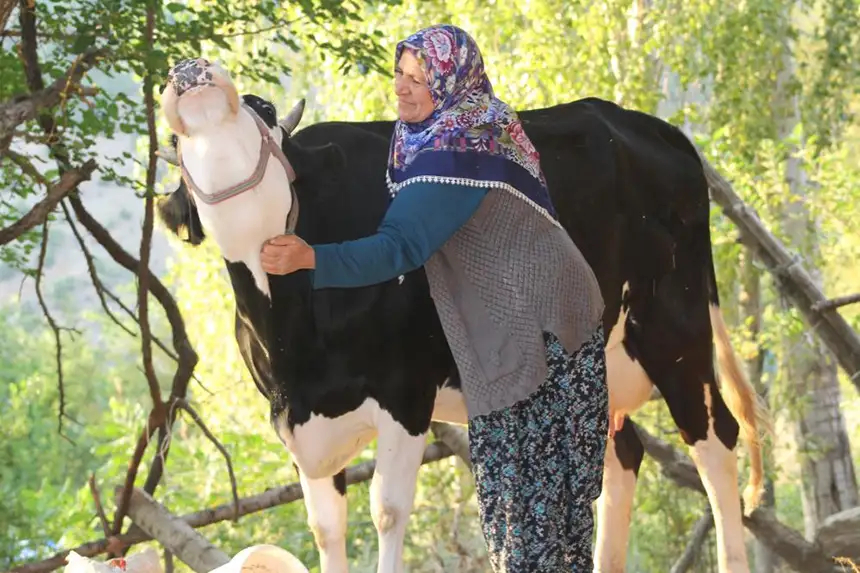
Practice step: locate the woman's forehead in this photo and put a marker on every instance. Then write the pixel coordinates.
(411, 58)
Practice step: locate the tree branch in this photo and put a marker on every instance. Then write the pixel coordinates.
(143, 274)
(27, 168)
(153, 422)
(694, 547)
(837, 302)
(791, 278)
(100, 510)
(181, 344)
(14, 113)
(248, 505)
(39, 212)
(6, 8)
(58, 342)
(101, 290)
(199, 421)
(174, 534)
(455, 438)
(784, 541)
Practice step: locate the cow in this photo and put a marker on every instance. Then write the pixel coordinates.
(342, 366)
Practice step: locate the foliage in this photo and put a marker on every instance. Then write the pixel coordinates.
(260, 31)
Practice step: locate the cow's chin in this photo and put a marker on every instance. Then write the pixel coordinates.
(204, 109)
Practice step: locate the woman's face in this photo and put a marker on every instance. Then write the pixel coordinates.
(414, 102)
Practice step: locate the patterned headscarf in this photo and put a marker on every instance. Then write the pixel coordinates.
(472, 137)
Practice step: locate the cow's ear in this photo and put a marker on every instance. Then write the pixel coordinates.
(177, 212)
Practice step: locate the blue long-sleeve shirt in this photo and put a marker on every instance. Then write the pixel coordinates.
(420, 219)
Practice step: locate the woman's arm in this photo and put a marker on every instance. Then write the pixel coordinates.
(420, 219)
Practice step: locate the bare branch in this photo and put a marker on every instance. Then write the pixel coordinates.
(790, 276)
(187, 358)
(156, 419)
(100, 510)
(784, 541)
(37, 215)
(248, 505)
(694, 547)
(29, 47)
(58, 343)
(143, 273)
(173, 533)
(263, 30)
(27, 167)
(6, 8)
(101, 290)
(184, 350)
(847, 564)
(199, 421)
(836, 302)
(455, 438)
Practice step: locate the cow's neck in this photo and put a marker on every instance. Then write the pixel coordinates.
(225, 155)
(221, 155)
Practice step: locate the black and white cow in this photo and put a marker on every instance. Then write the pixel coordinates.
(342, 366)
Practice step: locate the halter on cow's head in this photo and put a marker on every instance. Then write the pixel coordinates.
(223, 144)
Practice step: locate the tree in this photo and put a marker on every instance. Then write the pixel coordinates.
(70, 76)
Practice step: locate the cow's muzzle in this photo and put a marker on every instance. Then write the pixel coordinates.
(190, 74)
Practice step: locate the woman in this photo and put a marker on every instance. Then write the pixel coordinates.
(520, 306)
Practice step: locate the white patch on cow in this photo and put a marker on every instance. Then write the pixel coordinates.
(717, 467)
(327, 519)
(222, 150)
(323, 446)
(614, 507)
(450, 406)
(392, 491)
(629, 385)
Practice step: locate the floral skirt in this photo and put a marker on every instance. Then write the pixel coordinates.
(539, 465)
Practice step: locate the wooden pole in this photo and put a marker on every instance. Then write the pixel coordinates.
(173, 533)
(791, 277)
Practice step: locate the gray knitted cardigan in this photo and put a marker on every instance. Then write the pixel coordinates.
(506, 276)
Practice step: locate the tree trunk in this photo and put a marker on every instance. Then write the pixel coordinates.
(765, 560)
(827, 470)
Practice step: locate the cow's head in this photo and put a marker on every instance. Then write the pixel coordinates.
(198, 94)
(177, 211)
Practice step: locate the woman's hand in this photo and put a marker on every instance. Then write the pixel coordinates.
(286, 254)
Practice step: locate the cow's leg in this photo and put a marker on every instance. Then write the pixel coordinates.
(392, 491)
(624, 454)
(711, 432)
(325, 500)
(717, 464)
(629, 388)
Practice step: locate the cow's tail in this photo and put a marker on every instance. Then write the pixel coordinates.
(740, 397)
(744, 404)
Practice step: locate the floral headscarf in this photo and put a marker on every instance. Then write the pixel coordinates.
(472, 137)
